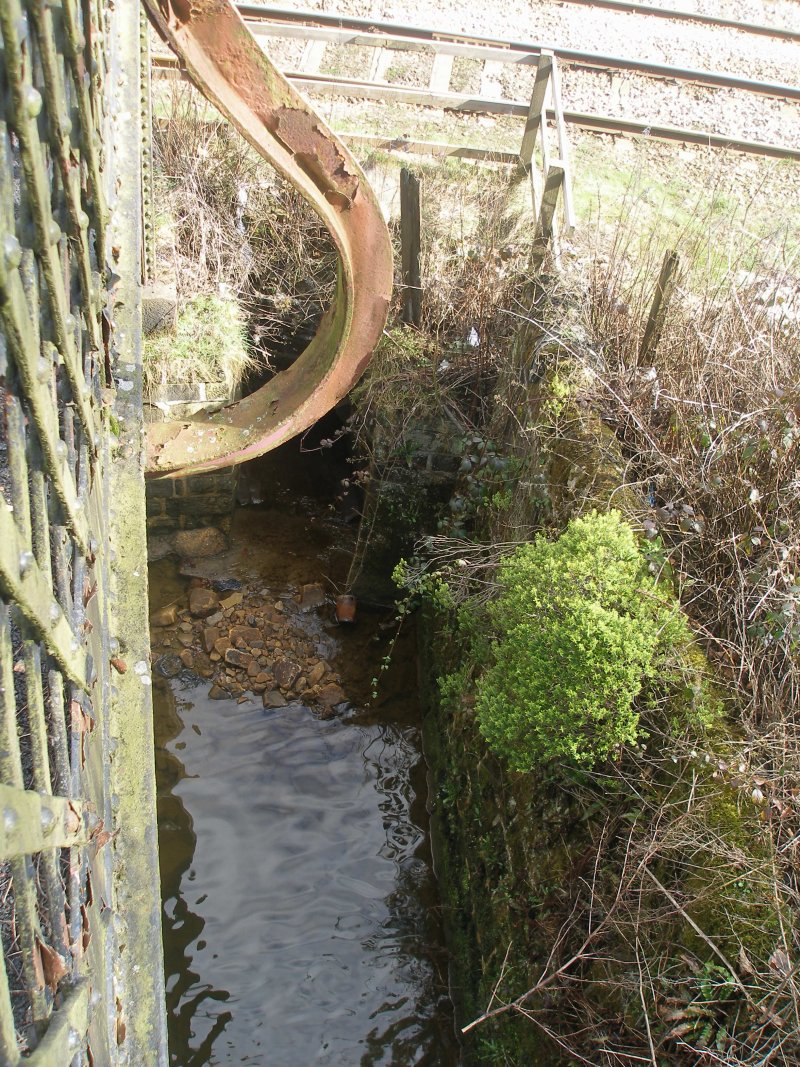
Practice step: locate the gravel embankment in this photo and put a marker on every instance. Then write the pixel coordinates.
(726, 111)
(762, 12)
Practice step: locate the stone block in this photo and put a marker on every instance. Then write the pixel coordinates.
(161, 524)
(205, 541)
(164, 487)
(202, 506)
(154, 507)
(173, 507)
(159, 308)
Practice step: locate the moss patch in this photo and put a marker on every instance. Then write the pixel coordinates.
(209, 345)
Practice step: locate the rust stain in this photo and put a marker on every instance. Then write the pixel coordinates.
(318, 155)
(181, 10)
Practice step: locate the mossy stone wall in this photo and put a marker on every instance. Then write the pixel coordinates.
(510, 848)
(498, 854)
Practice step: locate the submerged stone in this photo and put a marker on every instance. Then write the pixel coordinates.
(208, 541)
(330, 695)
(226, 585)
(210, 637)
(165, 616)
(311, 596)
(203, 665)
(248, 634)
(202, 602)
(169, 666)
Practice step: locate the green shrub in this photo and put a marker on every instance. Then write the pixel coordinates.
(579, 627)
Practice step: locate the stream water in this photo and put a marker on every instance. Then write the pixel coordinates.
(301, 915)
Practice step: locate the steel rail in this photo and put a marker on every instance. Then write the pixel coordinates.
(463, 102)
(677, 15)
(602, 124)
(341, 29)
(266, 11)
(221, 57)
(530, 56)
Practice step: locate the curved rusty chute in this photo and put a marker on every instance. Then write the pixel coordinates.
(227, 65)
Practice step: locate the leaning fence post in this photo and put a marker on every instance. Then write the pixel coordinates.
(410, 248)
(543, 70)
(544, 224)
(665, 286)
(563, 149)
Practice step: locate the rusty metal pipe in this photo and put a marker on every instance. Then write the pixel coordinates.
(222, 59)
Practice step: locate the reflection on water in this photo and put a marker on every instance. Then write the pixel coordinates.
(300, 922)
(301, 915)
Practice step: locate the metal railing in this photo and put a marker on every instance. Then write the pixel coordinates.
(81, 978)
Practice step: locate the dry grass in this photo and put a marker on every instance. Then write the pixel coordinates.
(691, 913)
(711, 434)
(475, 249)
(226, 219)
(674, 942)
(475, 246)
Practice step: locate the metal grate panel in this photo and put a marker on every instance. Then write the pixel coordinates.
(80, 975)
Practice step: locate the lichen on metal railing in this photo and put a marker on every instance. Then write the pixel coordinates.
(80, 959)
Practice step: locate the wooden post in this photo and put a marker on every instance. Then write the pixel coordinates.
(665, 286)
(538, 179)
(544, 224)
(536, 109)
(410, 246)
(563, 150)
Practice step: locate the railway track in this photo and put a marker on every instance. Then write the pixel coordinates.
(508, 51)
(341, 29)
(256, 12)
(379, 41)
(696, 17)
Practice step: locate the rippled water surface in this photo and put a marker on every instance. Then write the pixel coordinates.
(302, 923)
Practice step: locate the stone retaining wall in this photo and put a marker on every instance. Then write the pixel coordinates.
(189, 503)
(199, 500)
